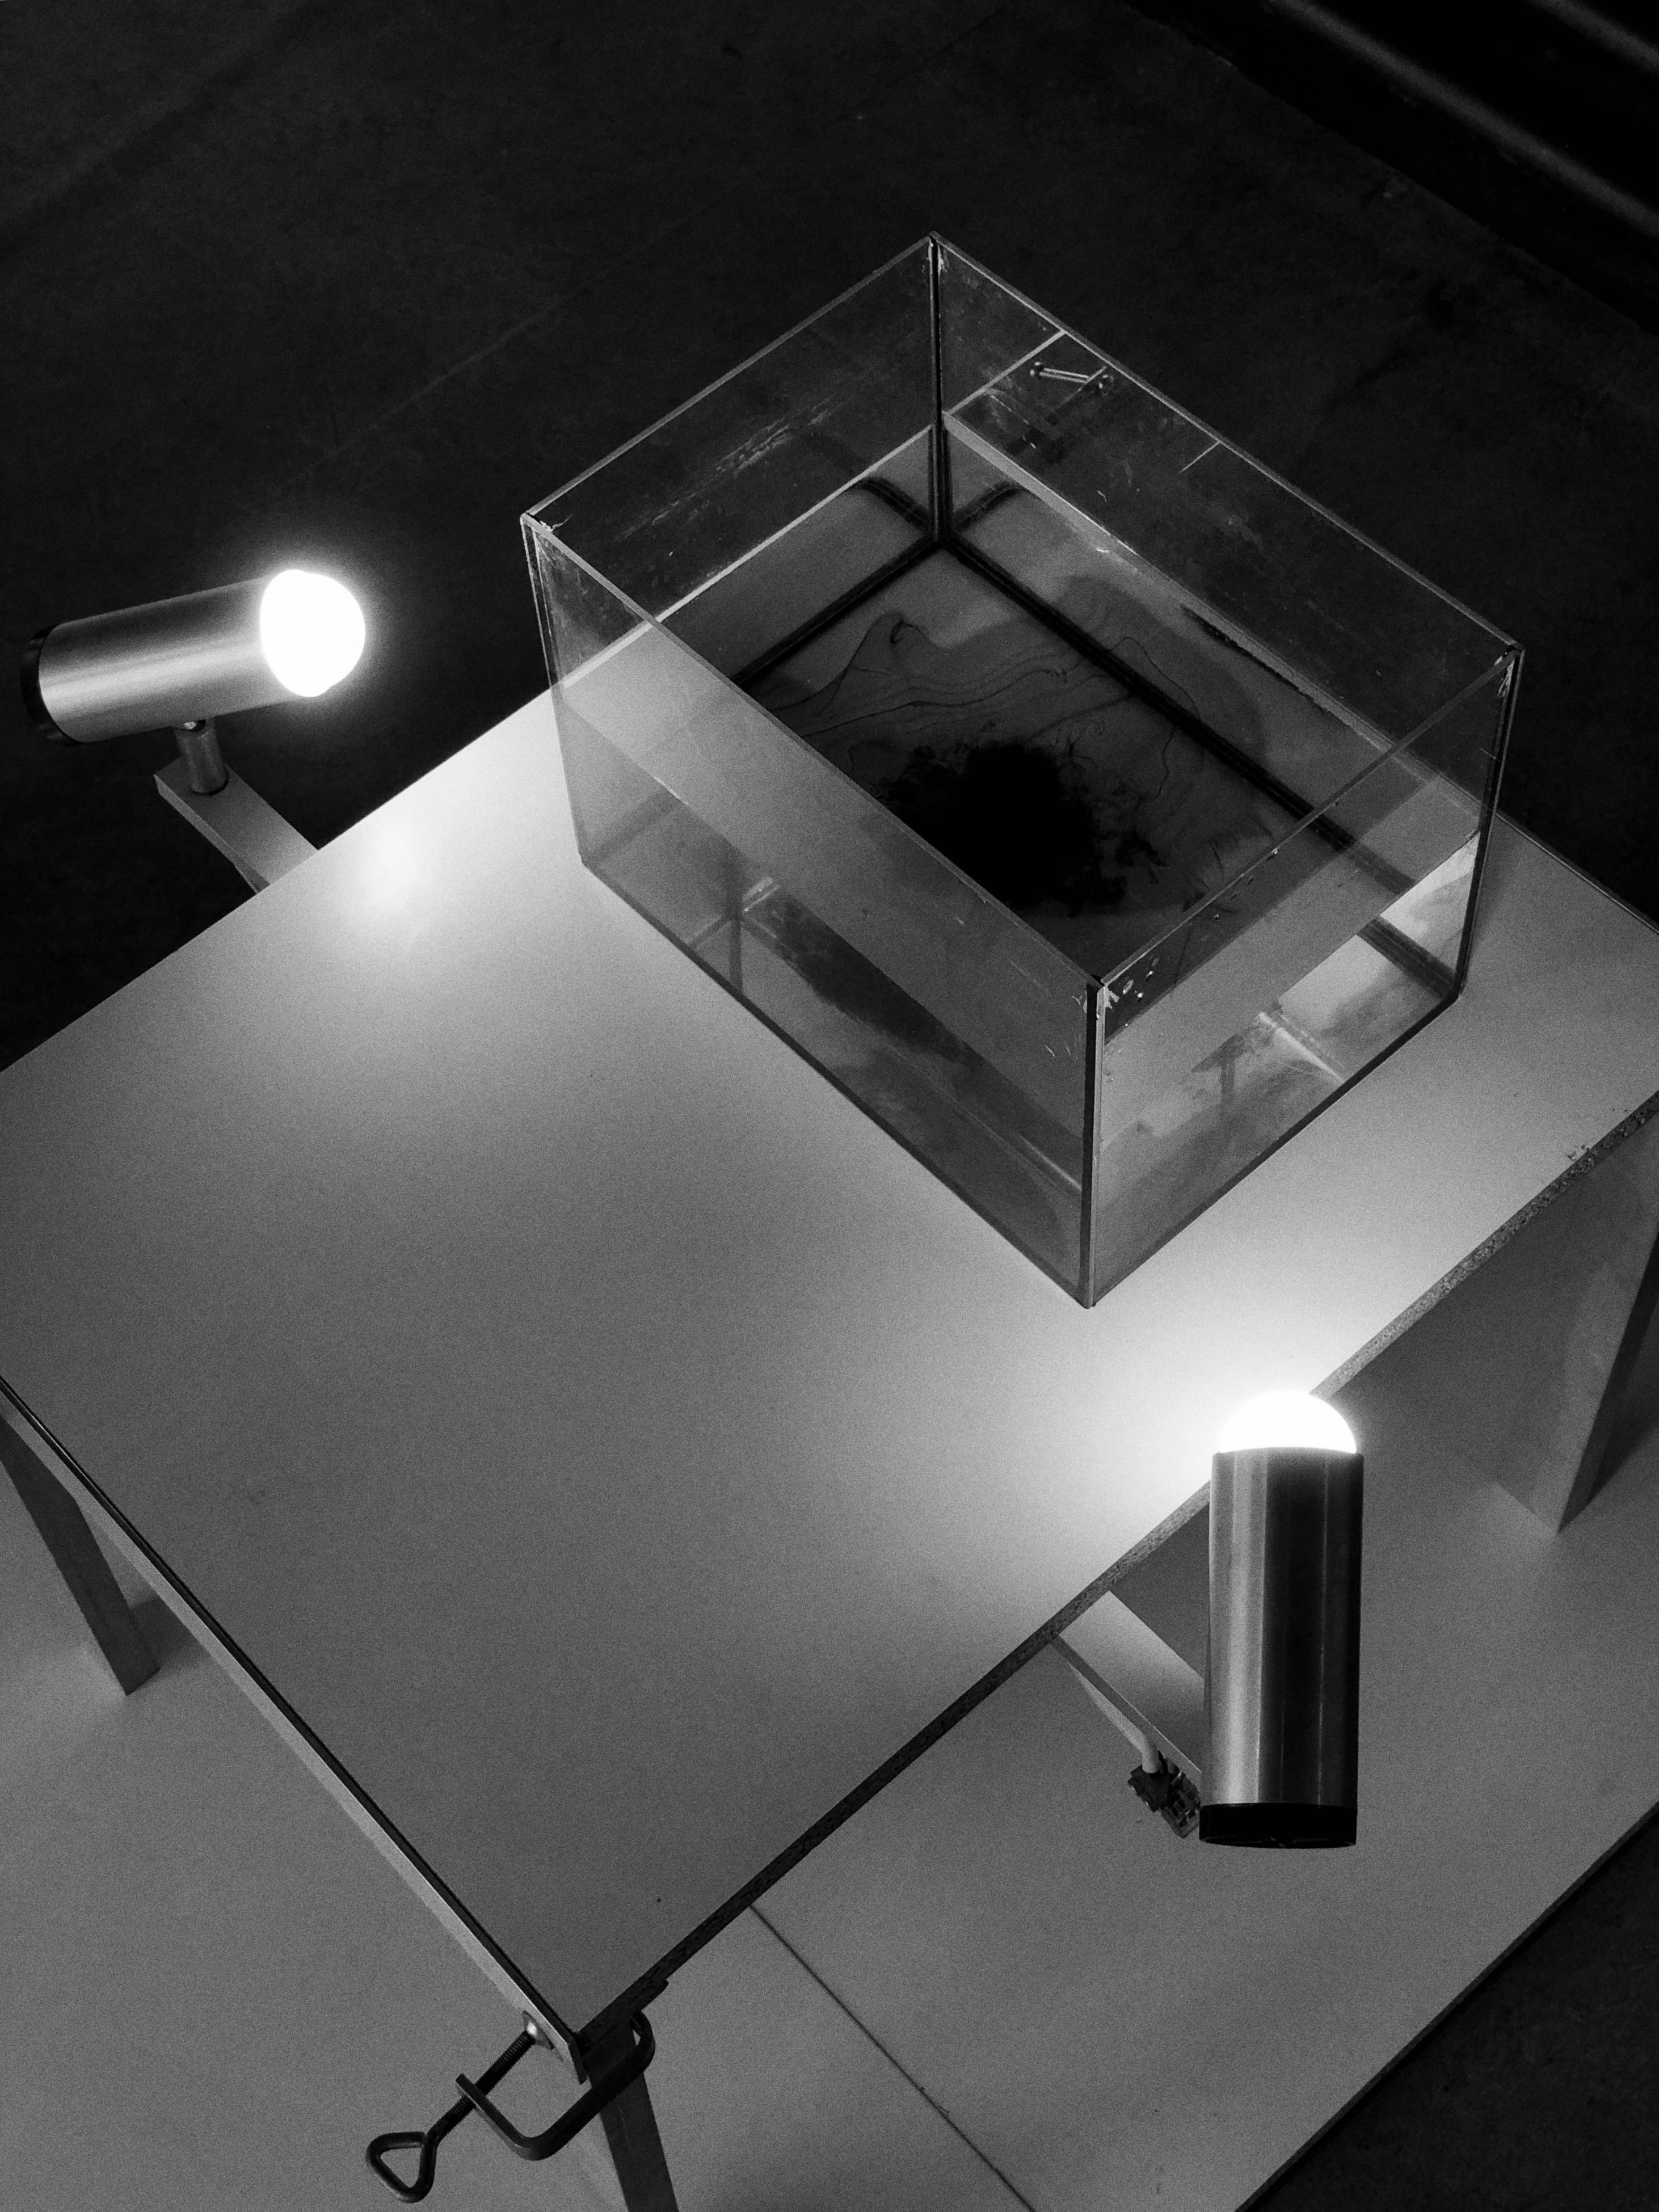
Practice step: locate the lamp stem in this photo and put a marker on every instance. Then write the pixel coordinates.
(198, 748)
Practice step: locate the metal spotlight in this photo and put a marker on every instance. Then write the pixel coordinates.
(180, 664)
(1282, 1689)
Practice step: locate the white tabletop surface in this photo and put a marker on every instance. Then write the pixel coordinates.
(611, 1445)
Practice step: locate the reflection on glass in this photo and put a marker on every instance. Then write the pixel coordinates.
(1087, 804)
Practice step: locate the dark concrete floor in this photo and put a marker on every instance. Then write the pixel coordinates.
(316, 278)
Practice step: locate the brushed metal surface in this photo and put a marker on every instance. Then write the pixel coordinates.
(153, 666)
(1283, 1687)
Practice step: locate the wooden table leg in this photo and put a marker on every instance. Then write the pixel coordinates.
(82, 1565)
(630, 2130)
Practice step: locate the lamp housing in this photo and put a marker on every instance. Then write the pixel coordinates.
(191, 659)
(1282, 1683)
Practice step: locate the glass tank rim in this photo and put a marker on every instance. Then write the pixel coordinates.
(1501, 638)
(716, 384)
(934, 241)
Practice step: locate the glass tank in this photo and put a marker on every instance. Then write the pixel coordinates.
(1087, 804)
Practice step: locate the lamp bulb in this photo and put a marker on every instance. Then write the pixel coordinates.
(1285, 1416)
(311, 631)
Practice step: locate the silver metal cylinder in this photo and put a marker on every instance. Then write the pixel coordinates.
(151, 667)
(204, 764)
(1282, 1685)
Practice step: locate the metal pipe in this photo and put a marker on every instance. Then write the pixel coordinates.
(1616, 38)
(1282, 1688)
(204, 764)
(1416, 82)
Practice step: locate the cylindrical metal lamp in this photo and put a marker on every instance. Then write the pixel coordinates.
(188, 659)
(1282, 1685)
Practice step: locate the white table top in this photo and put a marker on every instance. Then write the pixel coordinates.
(609, 1445)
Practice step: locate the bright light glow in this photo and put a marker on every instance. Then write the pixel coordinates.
(393, 871)
(311, 631)
(1285, 1416)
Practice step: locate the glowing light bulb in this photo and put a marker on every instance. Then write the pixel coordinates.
(311, 631)
(1285, 1416)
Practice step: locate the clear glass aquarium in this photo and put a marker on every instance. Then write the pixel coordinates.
(1087, 804)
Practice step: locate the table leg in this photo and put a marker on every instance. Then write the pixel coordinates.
(82, 1565)
(1555, 1318)
(630, 2130)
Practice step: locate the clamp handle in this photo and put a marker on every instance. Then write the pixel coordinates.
(426, 2140)
(569, 2124)
(475, 2097)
